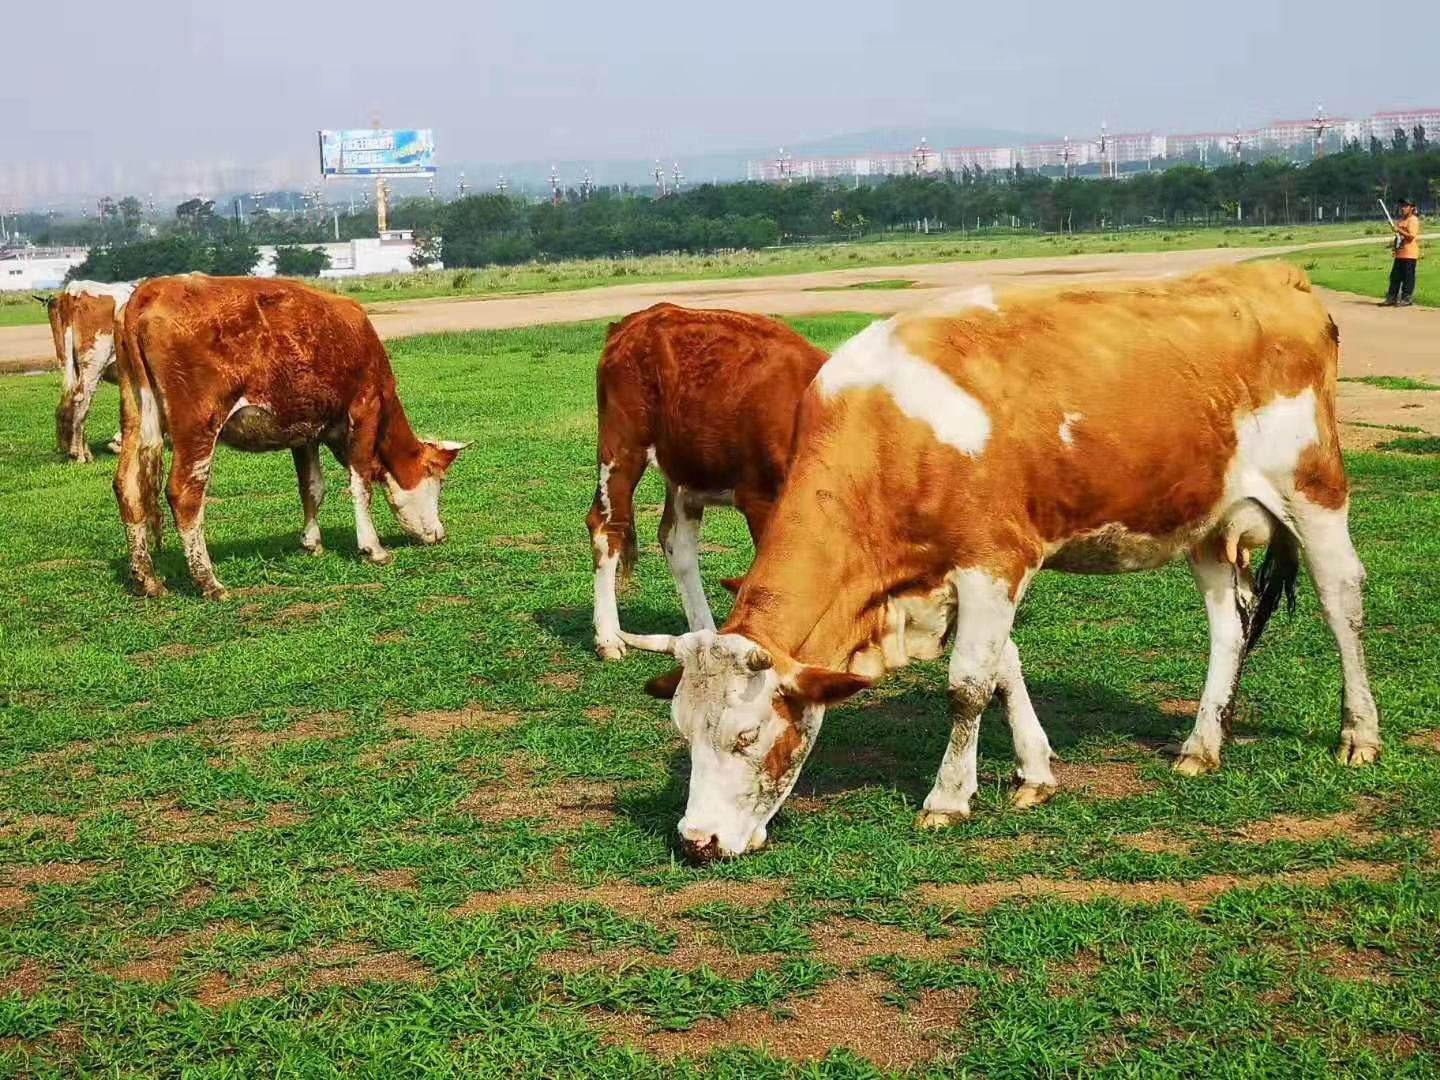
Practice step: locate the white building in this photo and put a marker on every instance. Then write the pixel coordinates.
(1383, 124)
(389, 254)
(23, 269)
(983, 158)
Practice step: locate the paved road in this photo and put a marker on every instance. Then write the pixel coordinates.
(1374, 341)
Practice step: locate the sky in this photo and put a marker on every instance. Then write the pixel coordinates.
(123, 92)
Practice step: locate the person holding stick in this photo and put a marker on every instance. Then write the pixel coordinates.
(1407, 254)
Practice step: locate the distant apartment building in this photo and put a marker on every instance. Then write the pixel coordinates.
(1383, 124)
(1058, 155)
(1136, 146)
(983, 158)
(1203, 146)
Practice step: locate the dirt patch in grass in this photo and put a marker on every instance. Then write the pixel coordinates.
(166, 822)
(696, 949)
(1426, 740)
(437, 723)
(391, 637)
(1190, 894)
(284, 590)
(48, 824)
(529, 542)
(1156, 842)
(637, 901)
(27, 980)
(1293, 828)
(305, 610)
(159, 962)
(246, 737)
(1107, 780)
(400, 880)
(850, 943)
(560, 680)
(564, 806)
(435, 603)
(343, 965)
(1179, 707)
(177, 651)
(1354, 965)
(16, 881)
(847, 1013)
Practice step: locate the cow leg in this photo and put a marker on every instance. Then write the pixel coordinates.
(360, 460)
(189, 477)
(91, 366)
(1218, 583)
(65, 411)
(1339, 579)
(985, 612)
(680, 537)
(312, 493)
(611, 522)
(1034, 780)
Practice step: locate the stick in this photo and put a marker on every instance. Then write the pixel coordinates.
(1386, 212)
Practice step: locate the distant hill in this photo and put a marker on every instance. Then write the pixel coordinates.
(534, 176)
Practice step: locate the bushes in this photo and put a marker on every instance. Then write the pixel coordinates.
(296, 261)
(178, 253)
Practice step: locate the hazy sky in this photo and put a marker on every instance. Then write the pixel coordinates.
(158, 81)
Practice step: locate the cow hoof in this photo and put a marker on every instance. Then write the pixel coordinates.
(151, 590)
(113, 446)
(317, 548)
(1193, 765)
(1027, 796)
(939, 819)
(217, 592)
(377, 558)
(1358, 754)
(609, 650)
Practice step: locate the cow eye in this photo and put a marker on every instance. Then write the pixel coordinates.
(745, 740)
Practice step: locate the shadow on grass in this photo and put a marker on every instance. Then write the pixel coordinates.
(897, 743)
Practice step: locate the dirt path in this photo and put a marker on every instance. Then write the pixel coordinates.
(1375, 341)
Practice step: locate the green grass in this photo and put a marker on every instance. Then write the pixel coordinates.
(233, 843)
(1391, 382)
(1365, 271)
(1429, 445)
(21, 309)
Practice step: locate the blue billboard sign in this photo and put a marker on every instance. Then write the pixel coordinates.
(372, 152)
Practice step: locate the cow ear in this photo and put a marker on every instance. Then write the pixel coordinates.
(821, 686)
(732, 585)
(441, 455)
(663, 686)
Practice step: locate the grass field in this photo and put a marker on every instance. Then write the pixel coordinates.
(401, 822)
(539, 277)
(1365, 270)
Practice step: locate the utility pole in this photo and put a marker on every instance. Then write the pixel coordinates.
(1107, 163)
(382, 191)
(921, 155)
(461, 187)
(1320, 125)
(676, 178)
(1067, 153)
(783, 166)
(503, 186)
(659, 174)
(587, 186)
(554, 186)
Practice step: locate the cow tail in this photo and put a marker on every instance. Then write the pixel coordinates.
(1274, 581)
(142, 426)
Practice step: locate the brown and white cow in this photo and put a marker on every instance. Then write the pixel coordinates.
(261, 365)
(709, 397)
(943, 458)
(82, 323)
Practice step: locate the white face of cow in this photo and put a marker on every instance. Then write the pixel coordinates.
(750, 729)
(417, 509)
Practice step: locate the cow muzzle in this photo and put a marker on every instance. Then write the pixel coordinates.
(700, 846)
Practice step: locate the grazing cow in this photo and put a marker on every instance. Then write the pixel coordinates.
(82, 322)
(943, 458)
(261, 365)
(709, 397)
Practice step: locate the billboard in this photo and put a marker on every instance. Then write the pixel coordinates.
(372, 152)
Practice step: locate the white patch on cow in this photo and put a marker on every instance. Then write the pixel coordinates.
(151, 430)
(243, 403)
(1067, 427)
(367, 539)
(1272, 438)
(118, 291)
(979, 296)
(417, 509)
(874, 358)
(607, 612)
(682, 552)
(67, 372)
(606, 468)
(200, 471)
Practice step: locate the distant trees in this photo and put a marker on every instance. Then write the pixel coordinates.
(176, 253)
(296, 261)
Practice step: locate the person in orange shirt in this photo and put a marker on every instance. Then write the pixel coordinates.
(1407, 254)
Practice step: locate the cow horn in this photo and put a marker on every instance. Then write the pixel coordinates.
(662, 643)
(759, 660)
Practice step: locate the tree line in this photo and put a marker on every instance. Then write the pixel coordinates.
(481, 230)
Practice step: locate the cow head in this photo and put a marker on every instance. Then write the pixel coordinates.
(751, 720)
(417, 508)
